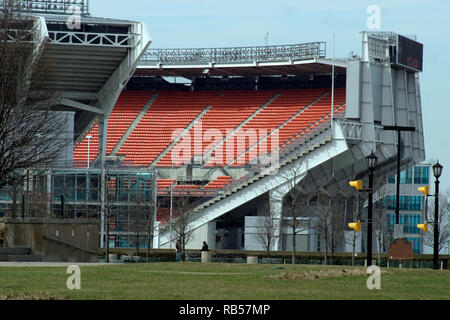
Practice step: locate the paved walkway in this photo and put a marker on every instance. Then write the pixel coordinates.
(49, 264)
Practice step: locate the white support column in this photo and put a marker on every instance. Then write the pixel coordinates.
(276, 196)
(156, 235)
(276, 212)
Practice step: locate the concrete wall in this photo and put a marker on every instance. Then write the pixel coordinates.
(349, 241)
(254, 242)
(65, 155)
(204, 233)
(56, 240)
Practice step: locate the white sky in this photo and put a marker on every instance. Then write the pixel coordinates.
(230, 23)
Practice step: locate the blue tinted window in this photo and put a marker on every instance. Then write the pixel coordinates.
(421, 175)
(4, 195)
(412, 203)
(409, 222)
(406, 176)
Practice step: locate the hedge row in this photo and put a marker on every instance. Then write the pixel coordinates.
(240, 256)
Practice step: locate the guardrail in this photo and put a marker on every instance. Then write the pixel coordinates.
(53, 6)
(236, 54)
(286, 151)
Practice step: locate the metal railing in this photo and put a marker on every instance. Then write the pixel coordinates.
(70, 245)
(285, 152)
(91, 39)
(236, 54)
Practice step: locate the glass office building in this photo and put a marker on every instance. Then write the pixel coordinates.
(411, 203)
(126, 204)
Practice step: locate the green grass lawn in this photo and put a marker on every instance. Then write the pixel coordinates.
(221, 281)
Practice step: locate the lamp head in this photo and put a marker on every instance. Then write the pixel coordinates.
(437, 170)
(371, 161)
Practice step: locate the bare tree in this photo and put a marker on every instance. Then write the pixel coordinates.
(336, 226)
(144, 206)
(29, 131)
(380, 207)
(356, 216)
(296, 201)
(37, 205)
(30, 197)
(265, 230)
(182, 210)
(323, 220)
(443, 220)
(137, 225)
(147, 208)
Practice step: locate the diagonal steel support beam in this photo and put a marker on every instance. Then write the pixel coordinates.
(80, 106)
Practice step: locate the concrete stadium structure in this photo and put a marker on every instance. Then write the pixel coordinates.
(107, 60)
(378, 94)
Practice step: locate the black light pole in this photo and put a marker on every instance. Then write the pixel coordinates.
(399, 129)
(371, 161)
(437, 171)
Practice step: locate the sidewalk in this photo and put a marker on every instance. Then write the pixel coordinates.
(49, 264)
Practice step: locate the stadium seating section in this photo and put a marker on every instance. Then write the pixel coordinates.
(235, 126)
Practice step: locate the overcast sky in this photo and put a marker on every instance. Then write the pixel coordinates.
(230, 23)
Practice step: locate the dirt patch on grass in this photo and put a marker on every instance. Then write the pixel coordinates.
(315, 275)
(27, 296)
(200, 272)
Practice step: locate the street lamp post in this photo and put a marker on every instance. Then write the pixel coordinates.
(89, 137)
(437, 171)
(371, 161)
(399, 129)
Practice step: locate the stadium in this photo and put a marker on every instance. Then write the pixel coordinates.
(231, 135)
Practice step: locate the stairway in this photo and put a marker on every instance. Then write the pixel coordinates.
(277, 129)
(18, 254)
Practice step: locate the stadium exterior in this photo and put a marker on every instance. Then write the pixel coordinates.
(94, 64)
